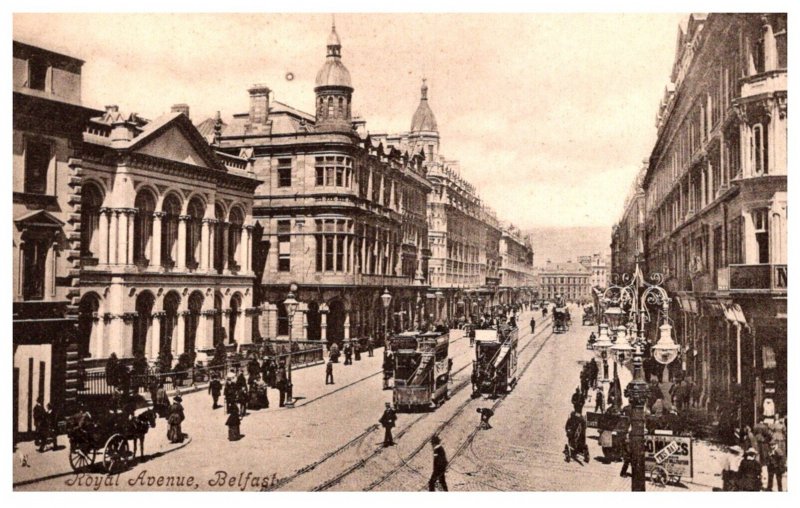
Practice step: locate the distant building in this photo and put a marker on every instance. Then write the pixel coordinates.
(598, 266)
(516, 268)
(570, 280)
(627, 236)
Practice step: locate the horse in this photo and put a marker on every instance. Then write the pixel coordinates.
(139, 427)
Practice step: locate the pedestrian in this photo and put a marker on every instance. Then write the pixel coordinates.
(329, 373)
(776, 466)
(162, 401)
(357, 350)
(576, 437)
(176, 417)
(40, 424)
(486, 413)
(348, 354)
(242, 398)
(533, 325)
(749, 477)
(599, 406)
(370, 347)
(584, 378)
(240, 380)
(215, 389)
(281, 382)
(334, 353)
(52, 426)
(153, 388)
(626, 453)
(475, 379)
(229, 392)
(730, 466)
(778, 433)
(439, 465)
(233, 422)
(388, 420)
(593, 371)
(578, 400)
(762, 436)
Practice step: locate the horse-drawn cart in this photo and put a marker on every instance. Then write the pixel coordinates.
(108, 435)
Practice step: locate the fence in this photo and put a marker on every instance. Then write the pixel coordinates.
(95, 381)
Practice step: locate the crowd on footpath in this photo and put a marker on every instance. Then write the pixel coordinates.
(758, 449)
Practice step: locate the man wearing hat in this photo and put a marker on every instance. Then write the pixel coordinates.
(749, 477)
(387, 421)
(730, 466)
(175, 418)
(40, 422)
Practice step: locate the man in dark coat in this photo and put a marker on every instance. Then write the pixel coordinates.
(175, 418)
(749, 477)
(40, 423)
(52, 429)
(533, 325)
(242, 398)
(776, 466)
(439, 465)
(370, 347)
(215, 389)
(578, 401)
(348, 354)
(229, 391)
(593, 370)
(387, 371)
(357, 350)
(576, 436)
(388, 420)
(281, 385)
(329, 373)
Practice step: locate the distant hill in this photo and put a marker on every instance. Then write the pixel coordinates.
(566, 244)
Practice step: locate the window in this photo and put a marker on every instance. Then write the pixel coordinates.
(37, 162)
(333, 245)
(334, 171)
(284, 245)
(284, 172)
(34, 255)
(758, 150)
(735, 241)
(37, 74)
(761, 229)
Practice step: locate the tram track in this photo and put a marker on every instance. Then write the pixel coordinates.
(458, 413)
(361, 463)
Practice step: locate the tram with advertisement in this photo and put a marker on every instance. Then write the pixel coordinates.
(494, 370)
(421, 369)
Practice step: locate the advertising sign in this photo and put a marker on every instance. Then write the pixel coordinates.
(671, 452)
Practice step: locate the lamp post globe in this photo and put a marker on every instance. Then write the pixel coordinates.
(665, 350)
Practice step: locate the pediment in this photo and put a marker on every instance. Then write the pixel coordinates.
(174, 145)
(39, 219)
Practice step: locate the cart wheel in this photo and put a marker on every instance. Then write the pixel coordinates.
(116, 454)
(80, 459)
(659, 476)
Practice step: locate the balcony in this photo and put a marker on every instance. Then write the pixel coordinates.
(753, 278)
(765, 82)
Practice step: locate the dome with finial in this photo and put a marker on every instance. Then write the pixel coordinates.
(333, 71)
(423, 120)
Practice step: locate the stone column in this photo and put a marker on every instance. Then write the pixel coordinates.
(122, 237)
(156, 252)
(204, 242)
(212, 236)
(155, 334)
(302, 309)
(323, 322)
(224, 231)
(347, 325)
(103, 239)
(247, 325)
(181, 257)
(113, 230)
(179, 335)
(247, 250)
(96, 336)
(128, 318)
(131, 241)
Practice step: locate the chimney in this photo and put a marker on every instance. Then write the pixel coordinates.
(181, 108)
(259, 104)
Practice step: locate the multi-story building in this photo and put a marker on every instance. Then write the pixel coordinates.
(48, 121)
(166, 244)
(516, 266)
(715, 195)
(598, 266)
(627, 236)
(464, 233)
(338, 214)
(569, 280)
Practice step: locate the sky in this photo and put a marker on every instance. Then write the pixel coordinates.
(550, 115)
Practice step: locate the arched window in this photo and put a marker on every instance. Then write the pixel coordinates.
(341, 107)
(143, 228)
(171, 302)
(91, 201)
(235, 239)
(330, 107)
(87, 317)
(219, 231)
(233, 317)
(192, 321)
(195, 210)
(169, 231)
(143, 323)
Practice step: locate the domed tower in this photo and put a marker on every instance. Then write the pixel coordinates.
(334, 89)
(424, 134)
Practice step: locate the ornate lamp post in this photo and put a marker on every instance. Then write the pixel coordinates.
(291, 307)
(637, 295)
(602, 347)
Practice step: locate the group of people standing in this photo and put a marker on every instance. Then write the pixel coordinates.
(762, 446)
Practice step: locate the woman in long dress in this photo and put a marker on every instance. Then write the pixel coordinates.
(233, 422)
(175, 418)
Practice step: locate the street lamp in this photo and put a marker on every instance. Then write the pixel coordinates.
(602, 346)
(622, 349)
(386, 299)
(291, 307)
(665, 351)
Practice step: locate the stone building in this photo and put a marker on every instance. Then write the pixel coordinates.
(597, 264)
(338, 213)
(627, 236)
(570, 280)
(716, 217)
(516, 267)
(166, 240)
(48, 119)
